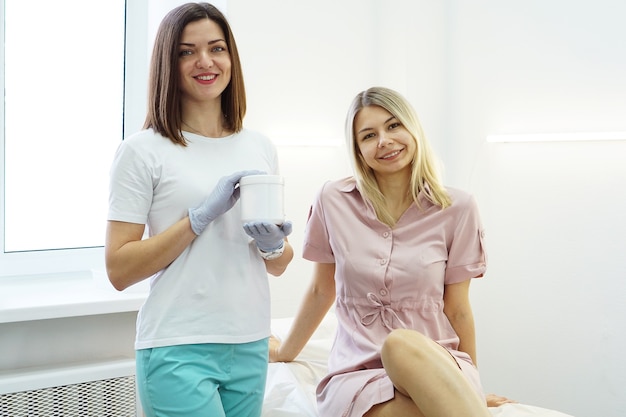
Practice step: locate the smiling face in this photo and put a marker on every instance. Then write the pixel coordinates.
(204, 61)
(384, 143)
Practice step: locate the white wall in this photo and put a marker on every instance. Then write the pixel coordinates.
(550, 313)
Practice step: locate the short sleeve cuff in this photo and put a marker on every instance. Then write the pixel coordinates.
(465, 272)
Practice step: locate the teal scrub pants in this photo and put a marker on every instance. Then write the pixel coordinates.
(216, 380)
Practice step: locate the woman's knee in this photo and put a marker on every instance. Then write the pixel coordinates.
(402, 342)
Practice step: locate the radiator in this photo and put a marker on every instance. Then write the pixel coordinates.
(100, 389)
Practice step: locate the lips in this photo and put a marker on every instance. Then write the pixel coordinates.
(391, 155)
(206, 77)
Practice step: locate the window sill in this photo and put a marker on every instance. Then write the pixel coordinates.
(85, 293)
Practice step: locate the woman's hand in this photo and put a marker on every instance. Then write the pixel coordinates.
(222, 198)
(268, 236)
(274, 345)
(494, 400)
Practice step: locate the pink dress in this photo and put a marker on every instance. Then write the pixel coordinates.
(386, 279)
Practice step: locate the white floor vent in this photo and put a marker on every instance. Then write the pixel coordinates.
(104, 389)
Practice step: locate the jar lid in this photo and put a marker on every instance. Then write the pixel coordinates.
(261, 179)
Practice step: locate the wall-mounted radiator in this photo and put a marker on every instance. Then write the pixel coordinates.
(100, 389)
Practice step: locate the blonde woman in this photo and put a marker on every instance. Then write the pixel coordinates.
(394, 251)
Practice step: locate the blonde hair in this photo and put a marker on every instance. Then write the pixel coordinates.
(425, 170)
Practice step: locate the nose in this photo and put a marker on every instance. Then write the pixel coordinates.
(204, 60)
(383, 140)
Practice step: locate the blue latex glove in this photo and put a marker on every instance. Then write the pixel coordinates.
(222, 198)
(268, 236)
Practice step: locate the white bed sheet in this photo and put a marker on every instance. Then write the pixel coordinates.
(290, 389)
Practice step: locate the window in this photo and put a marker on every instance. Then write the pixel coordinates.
(63, 80)
(63, 116)
(74, 76)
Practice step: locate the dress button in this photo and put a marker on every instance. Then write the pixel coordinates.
(382, 292)
(386, 234)
(383, 261)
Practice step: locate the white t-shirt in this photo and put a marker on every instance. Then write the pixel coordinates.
(217, 290)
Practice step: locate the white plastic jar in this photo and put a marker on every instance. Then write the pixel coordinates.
(262, 198)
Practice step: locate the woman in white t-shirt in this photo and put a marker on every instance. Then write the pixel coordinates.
(202, 334)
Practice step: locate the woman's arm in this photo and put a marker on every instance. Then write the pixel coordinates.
(129, 259)
(317, 301)
(459, 312)
(277, 266)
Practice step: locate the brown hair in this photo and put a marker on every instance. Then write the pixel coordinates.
(164, 108)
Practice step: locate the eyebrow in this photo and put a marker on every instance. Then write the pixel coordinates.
(209, 42)
(369, 128)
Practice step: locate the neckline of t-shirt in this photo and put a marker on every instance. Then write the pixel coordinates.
(205, 138)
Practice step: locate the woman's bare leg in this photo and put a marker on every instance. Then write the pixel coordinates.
(424, 373)
(399, 406)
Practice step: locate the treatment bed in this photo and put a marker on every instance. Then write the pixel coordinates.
(290, 390)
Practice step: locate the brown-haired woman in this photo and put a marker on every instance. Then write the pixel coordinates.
(202, 334)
